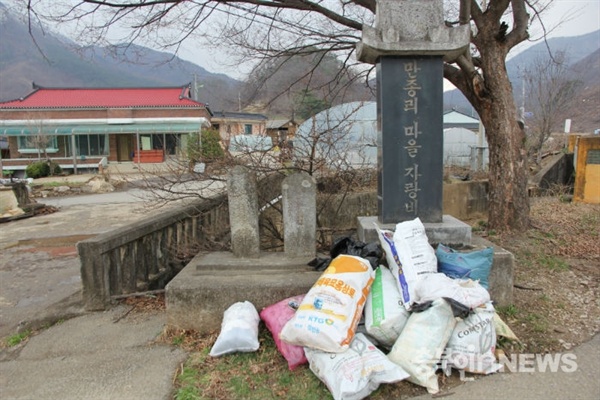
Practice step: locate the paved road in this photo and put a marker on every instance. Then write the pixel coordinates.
(90, 355)
(39, 267)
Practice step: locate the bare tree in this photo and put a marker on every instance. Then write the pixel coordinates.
(268, 28)
(38, 138)
(550, 88)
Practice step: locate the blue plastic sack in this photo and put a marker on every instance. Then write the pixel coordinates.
(473, 265)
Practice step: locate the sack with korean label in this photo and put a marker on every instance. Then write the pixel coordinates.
(329, 313)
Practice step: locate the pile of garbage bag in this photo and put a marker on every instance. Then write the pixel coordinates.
(400, 311)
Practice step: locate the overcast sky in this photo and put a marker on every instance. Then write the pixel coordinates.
(578, 18)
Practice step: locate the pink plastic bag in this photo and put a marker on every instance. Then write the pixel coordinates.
(275, 317)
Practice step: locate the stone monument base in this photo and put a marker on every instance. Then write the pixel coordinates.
(451, 231)
(199, 295)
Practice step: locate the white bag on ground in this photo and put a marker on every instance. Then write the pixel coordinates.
(419, 348)
(473, 342)
(385, 315)
(465, 291)
(330, 311)
(355, 373)
(239, 330)
(409, 255)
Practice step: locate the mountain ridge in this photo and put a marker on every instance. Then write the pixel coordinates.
(62, 63)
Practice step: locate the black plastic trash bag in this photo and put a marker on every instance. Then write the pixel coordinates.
(371, 252)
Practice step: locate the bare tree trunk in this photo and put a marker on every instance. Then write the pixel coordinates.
(508, 202)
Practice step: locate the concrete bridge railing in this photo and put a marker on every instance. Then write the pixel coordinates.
(147, 254)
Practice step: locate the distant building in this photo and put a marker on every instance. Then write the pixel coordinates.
(231, 124)
(456, 119)
(80, 127)
(281, 130)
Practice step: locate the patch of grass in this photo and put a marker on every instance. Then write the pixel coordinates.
(480, 226)
(537, 322)
(544, 297)
(188, 393)
(17, 338)
(509, 311)
(177, 340)
(259, 375)
(53, 184)
(553, 263)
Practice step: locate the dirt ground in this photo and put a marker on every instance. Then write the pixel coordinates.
(557, 275)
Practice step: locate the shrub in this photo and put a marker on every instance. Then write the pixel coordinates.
(207, 148)
(41, 169)
(211, 145)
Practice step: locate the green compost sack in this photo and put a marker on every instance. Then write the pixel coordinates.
(385, 315)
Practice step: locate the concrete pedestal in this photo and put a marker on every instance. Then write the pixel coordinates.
(450, 231)
(199, 295)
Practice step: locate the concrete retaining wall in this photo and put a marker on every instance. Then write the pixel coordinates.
(462, 200)
(558, 171)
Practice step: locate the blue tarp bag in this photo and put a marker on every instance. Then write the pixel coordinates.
(473, 265)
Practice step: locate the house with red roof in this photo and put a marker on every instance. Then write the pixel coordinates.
(79, 128)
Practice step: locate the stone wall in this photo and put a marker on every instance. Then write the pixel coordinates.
(462, 200)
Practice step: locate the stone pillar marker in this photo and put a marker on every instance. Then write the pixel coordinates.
(299, 193)
(243, 213)
(408, 45)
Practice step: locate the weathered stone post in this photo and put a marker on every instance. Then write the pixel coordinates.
(407, 45)
(243, 212)
(299, 215)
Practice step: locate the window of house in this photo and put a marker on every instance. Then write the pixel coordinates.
(35, 143)
(248, 129)
(90, 145)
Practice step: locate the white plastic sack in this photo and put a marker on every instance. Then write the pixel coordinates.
(401, 276)
(409, 255)
(473, 342)
(415, 251)
(465, 291)
(385, 315)
(419, 348)
(329, 313)
(355, 373)
(239, 330)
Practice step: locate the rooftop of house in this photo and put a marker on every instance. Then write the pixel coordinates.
(278, 123)
(240, 116)
(457, 117)
(77, 97)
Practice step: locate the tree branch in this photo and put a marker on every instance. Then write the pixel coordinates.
(520, 22)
